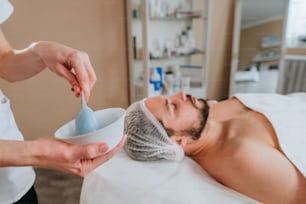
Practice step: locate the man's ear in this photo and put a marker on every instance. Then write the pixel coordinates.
(180, 140)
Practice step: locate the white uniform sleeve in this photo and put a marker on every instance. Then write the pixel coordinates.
(6, 9)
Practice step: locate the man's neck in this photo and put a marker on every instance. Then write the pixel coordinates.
(210, 139)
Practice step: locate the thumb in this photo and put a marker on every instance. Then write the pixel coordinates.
(93, 150)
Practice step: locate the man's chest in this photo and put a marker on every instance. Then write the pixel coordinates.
(241, 131)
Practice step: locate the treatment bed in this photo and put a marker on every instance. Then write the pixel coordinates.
(123, 180)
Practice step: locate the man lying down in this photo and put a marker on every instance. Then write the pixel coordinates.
(252, 143)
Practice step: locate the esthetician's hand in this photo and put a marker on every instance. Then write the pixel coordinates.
(69, 63)
(74, 159)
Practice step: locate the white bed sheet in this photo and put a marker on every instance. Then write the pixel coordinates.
(123, 180)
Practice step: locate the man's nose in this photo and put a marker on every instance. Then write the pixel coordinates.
(182, 95)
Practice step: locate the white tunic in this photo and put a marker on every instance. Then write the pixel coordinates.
(14, 181)
(287, 114)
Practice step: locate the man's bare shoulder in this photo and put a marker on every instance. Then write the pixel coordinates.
(227, 109)
(261, 172)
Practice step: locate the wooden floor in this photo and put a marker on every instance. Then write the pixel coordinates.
(55, 187)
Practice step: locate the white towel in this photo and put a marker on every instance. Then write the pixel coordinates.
(287, 115)
(123, 180)
(252, 75)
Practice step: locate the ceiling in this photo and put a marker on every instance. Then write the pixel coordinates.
(255, 12)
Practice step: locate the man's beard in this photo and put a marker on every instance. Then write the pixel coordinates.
(204, 112)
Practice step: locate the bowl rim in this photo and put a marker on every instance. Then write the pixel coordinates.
(72, 137)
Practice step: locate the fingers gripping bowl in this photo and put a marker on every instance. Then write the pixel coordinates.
(111, 131)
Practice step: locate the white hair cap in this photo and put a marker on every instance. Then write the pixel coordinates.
(147, 139)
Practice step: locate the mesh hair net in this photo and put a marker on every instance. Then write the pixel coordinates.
(147, 139)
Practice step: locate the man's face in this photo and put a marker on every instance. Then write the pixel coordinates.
(179, 113)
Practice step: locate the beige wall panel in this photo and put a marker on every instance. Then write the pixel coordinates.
(296, 51)
(220, 42)
(98, 27)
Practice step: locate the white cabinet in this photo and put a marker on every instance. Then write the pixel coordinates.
(167, 47)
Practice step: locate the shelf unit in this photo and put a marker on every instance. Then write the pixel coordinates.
(155, 40)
